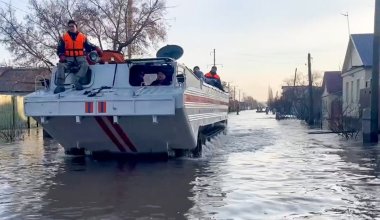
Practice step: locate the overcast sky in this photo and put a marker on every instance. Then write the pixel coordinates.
(260, 42)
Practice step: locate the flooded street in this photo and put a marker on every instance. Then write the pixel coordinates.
(262, 169)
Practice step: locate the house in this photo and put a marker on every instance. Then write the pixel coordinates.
(21, 80)
(356, 72)
(332, 100)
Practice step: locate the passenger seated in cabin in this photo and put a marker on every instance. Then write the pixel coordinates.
(213, 78)
(198, 72)
(137, 79)
(162, 80)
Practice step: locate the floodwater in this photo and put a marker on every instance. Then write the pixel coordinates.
(262, 169)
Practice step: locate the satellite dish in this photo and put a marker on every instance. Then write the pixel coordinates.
(171, 51)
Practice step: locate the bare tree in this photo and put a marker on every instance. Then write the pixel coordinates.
(114, 24)
(339, 121)
(317, 78)
(270, 97)
(302, 79)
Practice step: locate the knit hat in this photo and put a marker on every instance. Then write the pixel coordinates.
(72, 22)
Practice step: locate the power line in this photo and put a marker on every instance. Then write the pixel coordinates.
(14, 7)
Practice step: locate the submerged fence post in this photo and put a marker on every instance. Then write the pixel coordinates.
(366, 125)
(13, 111)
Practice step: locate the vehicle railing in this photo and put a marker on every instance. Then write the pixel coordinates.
(138, 92)
(40, 83)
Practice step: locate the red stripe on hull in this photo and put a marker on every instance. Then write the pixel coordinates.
(200, 99)
(109, 133)
(102, 107)
(123, 135)
(89, 107)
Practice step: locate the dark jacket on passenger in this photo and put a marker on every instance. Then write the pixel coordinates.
(164, 82)
(214, 80)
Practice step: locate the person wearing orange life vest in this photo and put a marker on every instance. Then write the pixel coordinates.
(72, 47)
(213, 78)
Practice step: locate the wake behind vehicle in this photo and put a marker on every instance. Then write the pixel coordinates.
(134, 107)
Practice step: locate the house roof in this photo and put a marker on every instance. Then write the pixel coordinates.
(20, 79)
(4, 69)
(364, 45)
(333, 82)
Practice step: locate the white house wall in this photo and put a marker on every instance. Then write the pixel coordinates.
(326, 109)
(353, 82)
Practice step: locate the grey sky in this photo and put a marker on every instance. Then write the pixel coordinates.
(261, 42)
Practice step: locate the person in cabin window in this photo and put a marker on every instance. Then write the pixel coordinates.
(137, 79)
(213, 78)
(71, 49)
(161, 80)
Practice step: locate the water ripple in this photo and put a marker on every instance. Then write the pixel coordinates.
(262, 169)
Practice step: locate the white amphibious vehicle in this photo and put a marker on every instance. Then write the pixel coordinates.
(119, 111)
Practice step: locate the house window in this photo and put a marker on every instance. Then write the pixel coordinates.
(357, 90)
(352, 92)
(347, 91)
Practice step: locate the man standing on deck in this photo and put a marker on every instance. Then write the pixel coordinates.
(71, 49)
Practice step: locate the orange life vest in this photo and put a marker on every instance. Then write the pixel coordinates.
(210, 76)
(74, 48)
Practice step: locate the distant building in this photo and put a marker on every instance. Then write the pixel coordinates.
(20, 80)
(356, 74)
(332, 100)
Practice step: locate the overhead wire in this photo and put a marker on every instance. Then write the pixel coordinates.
(14, 7)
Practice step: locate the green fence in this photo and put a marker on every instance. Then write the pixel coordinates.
(13, 121)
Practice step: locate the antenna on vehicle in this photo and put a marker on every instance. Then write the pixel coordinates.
(172, 51)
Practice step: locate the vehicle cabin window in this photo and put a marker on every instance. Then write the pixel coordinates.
(151, 74)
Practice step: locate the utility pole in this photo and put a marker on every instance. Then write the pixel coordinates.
(375, 77)
(311, 107)
(294, 91)
(129, 25)
(244, 103)
(235, 98)
(214, 52)
(238, 106)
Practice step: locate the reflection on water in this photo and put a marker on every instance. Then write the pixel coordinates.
(120, 190)
(7, 106)
(263, 169)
